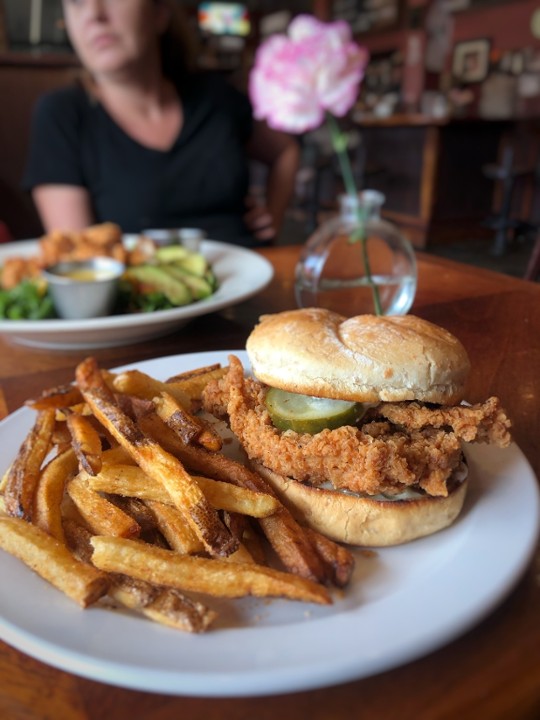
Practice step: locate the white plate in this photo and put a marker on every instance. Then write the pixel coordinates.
(403, 603)
(241, 274)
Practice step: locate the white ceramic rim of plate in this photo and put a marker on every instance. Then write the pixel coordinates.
(253, 280)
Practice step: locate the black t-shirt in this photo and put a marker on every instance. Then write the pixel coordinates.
(201, 181)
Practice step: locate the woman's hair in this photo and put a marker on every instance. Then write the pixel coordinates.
(177, 43)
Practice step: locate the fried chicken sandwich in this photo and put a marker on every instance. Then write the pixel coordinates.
(357, 423)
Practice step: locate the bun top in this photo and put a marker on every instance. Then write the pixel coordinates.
(367, 358)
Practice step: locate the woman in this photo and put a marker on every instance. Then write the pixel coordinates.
(144, 142)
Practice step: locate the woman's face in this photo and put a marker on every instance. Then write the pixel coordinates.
(112, 36)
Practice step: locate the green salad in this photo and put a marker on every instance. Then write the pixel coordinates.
(29, 300)
(174, 277)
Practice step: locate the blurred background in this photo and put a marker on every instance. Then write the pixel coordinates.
(446, 125)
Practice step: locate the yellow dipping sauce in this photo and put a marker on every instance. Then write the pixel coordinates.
(87, 274)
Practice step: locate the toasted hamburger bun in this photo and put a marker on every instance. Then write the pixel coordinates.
(367, 358)
(369, 521)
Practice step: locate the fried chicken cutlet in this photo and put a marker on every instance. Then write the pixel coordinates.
(398, 446)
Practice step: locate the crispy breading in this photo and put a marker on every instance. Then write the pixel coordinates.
(486, 422)
(378, 457)
(17, 269)
(101, 239)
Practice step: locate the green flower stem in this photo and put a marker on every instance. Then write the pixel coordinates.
(339, 143)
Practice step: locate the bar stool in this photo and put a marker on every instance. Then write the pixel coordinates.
(508, 175)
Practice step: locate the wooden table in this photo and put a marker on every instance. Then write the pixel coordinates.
(491, 672)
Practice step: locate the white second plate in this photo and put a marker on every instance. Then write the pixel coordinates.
(241, 274)
(402, 603)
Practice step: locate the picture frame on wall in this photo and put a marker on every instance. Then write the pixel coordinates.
(470, 60)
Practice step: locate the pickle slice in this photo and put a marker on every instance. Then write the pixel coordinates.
(306, 414)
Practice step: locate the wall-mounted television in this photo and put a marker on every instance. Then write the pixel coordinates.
(224, 18)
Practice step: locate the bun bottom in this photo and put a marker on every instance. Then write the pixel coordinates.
(368, 521)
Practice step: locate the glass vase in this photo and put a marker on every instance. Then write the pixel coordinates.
(332, 272)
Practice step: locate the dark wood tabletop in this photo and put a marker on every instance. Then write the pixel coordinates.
(493, 671)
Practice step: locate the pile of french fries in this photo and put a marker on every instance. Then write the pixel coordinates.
(122, 492)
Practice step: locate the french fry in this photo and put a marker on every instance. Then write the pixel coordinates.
(50, 491)
(165, 606)
(138, 510)
(135, 382)
(175, 610)
(70, 512)
(116, 455)
(186, 388)
(168, 607)
(239, 526)
(52, 561)
(174, 528)
(285, 535)
(61, 437)
(132, 405)
(299, 551)
(253, 541)
(178, 534)
(192, 383)
(86, 442)
(23, 476)
(128, 505)
(235, 498)
(204, 374)
(156, 462)
(214, 577)
(130, 480)
(81, 408)
(62, 396)
(292, 546)
(243, 555)
(236, 523)
(77, 539)
(190, 428)
(100, 514)
(338, 560)
(107, 440)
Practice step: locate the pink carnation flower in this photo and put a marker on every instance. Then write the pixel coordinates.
(298, 77)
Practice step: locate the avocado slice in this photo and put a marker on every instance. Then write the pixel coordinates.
(159, 280)
(171, 253)
(194, 263)
(199, 286)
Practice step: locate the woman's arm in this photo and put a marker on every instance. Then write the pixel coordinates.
(54, 173)
(63, 207)
(281, 154)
